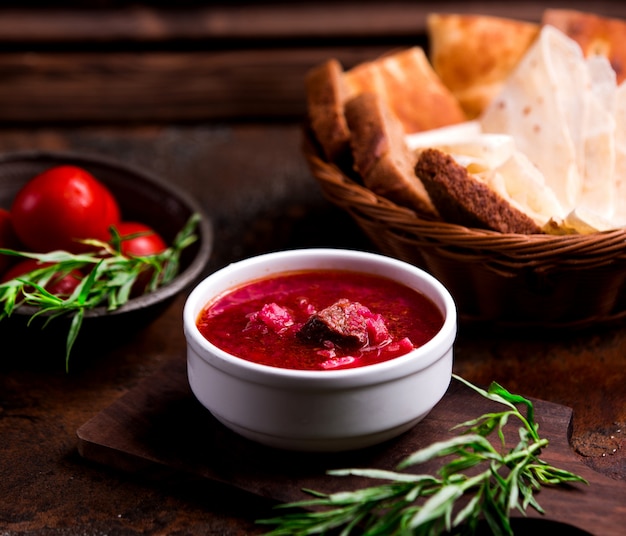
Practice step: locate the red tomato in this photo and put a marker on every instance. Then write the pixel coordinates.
(149, 243)
(60, 285)
(142, 245)
(8, 239)
(61, 205)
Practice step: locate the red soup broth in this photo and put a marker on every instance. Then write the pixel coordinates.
(235, 323)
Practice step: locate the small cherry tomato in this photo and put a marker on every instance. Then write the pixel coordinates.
(60, 206)
(59, 284)
(147, 241)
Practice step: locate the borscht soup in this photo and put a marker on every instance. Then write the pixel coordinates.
(320, 320)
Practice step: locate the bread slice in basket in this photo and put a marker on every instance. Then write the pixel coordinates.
(407, 83)
(381, 156)
(474, 54)
(326, 93)
(463, 199)
(403, 79)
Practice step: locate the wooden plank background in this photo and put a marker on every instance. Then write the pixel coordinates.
(241, 60)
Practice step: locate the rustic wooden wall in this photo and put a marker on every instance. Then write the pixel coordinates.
(112, 61)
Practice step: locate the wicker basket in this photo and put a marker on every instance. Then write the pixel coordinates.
(505, 280)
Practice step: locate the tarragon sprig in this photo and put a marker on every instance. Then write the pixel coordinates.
(109, 282)
(478, 482)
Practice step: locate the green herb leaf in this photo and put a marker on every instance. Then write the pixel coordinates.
(108, 283)
(476, 482)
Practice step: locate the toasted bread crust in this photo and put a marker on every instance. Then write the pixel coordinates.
(473, 54)
(464, 200)
(410, 87)
(381, 156)
(403, 79)
(326, 93)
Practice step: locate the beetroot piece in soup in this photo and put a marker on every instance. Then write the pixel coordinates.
(320, 320)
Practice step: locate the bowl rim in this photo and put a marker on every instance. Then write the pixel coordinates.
(413, 361)
(205, 227)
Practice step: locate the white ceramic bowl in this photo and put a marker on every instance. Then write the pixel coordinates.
(329, 410)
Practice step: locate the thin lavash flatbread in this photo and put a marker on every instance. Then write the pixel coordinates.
(619, 216)
(545, 105)
(597, 193)
(597, 35)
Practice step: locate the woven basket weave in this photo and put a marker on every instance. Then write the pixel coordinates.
(508, 280)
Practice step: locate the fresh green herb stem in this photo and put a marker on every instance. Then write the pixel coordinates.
(501, 480)
(110, 279)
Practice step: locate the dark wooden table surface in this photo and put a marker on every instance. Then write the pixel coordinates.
(249, 174)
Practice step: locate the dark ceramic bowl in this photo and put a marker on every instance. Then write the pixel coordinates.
(141, 197)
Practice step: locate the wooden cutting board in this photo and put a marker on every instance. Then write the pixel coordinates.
(159, 424)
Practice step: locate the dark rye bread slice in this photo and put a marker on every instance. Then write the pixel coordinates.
(381, 156)
(326, 93)
(464, 200)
